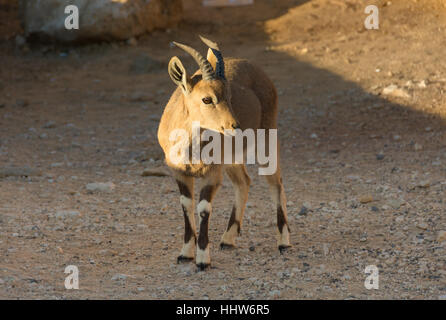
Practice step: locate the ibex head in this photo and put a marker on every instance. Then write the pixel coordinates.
(207, 98)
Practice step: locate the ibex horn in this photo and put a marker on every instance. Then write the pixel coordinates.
(205, 67)
(220, 67)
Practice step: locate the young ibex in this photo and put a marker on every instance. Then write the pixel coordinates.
(224, 94)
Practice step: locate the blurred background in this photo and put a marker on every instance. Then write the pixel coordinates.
(361, 125)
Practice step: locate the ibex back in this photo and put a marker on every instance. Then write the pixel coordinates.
(224, 94)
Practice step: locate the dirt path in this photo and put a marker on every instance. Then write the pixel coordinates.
(364, 172)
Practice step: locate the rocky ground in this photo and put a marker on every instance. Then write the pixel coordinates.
(363, 134)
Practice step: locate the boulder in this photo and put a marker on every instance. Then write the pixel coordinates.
(98, 19)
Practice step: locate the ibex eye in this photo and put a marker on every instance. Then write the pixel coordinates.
(207, 100)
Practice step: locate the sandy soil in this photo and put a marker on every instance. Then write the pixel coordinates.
(364, 171)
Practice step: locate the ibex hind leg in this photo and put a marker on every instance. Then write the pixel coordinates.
(240, 181)
(278, 196)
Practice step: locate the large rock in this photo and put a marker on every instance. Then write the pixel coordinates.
(98, 19)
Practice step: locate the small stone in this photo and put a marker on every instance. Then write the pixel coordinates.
(132, 42)
(326, 248)
(19, 172)
(379, 156)
(423, 226)
(21, 103)
(155, 172)
(275, 293)
(67, 213)
(100, 186)
(424, 184)
(303, 211)
(118, 277)
(394, 91)
(417, 147)
(441, 236)
(353, 178)
(374, 209)
(49, 125)
(395, 203)
(366, 199)
(56, 164)
(252, 248)
(333, 204)
(422, 84)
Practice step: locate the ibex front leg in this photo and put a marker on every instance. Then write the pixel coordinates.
(186, 185)
(211, 183)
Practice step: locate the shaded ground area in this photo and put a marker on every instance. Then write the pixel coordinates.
(362, 128)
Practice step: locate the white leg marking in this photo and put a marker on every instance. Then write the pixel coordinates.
(188, 249)
(230, 235)
(203, 256)
(204, 205)
(283, 239)
(187, 203)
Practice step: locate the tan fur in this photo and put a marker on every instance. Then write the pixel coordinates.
(253, 104)
(246, 98)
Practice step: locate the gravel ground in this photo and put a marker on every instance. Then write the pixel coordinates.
(363, 134)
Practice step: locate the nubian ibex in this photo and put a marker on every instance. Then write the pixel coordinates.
(224, 94)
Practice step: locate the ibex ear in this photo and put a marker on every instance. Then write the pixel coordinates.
(212, 58)
(178, 75)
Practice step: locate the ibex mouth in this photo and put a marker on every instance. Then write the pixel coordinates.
(229, 132)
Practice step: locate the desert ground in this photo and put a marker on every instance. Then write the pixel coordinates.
(362, 126)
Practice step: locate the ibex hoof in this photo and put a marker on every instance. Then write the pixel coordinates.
(202, 266)
(225, 246)
(283, 248)
(183, 259)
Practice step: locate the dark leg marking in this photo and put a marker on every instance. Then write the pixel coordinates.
(184, 190)
(203, 238)
(281, 219)
(224, 246)
(232, 221)
(281, 222)
(207, 192)
(188, 233)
